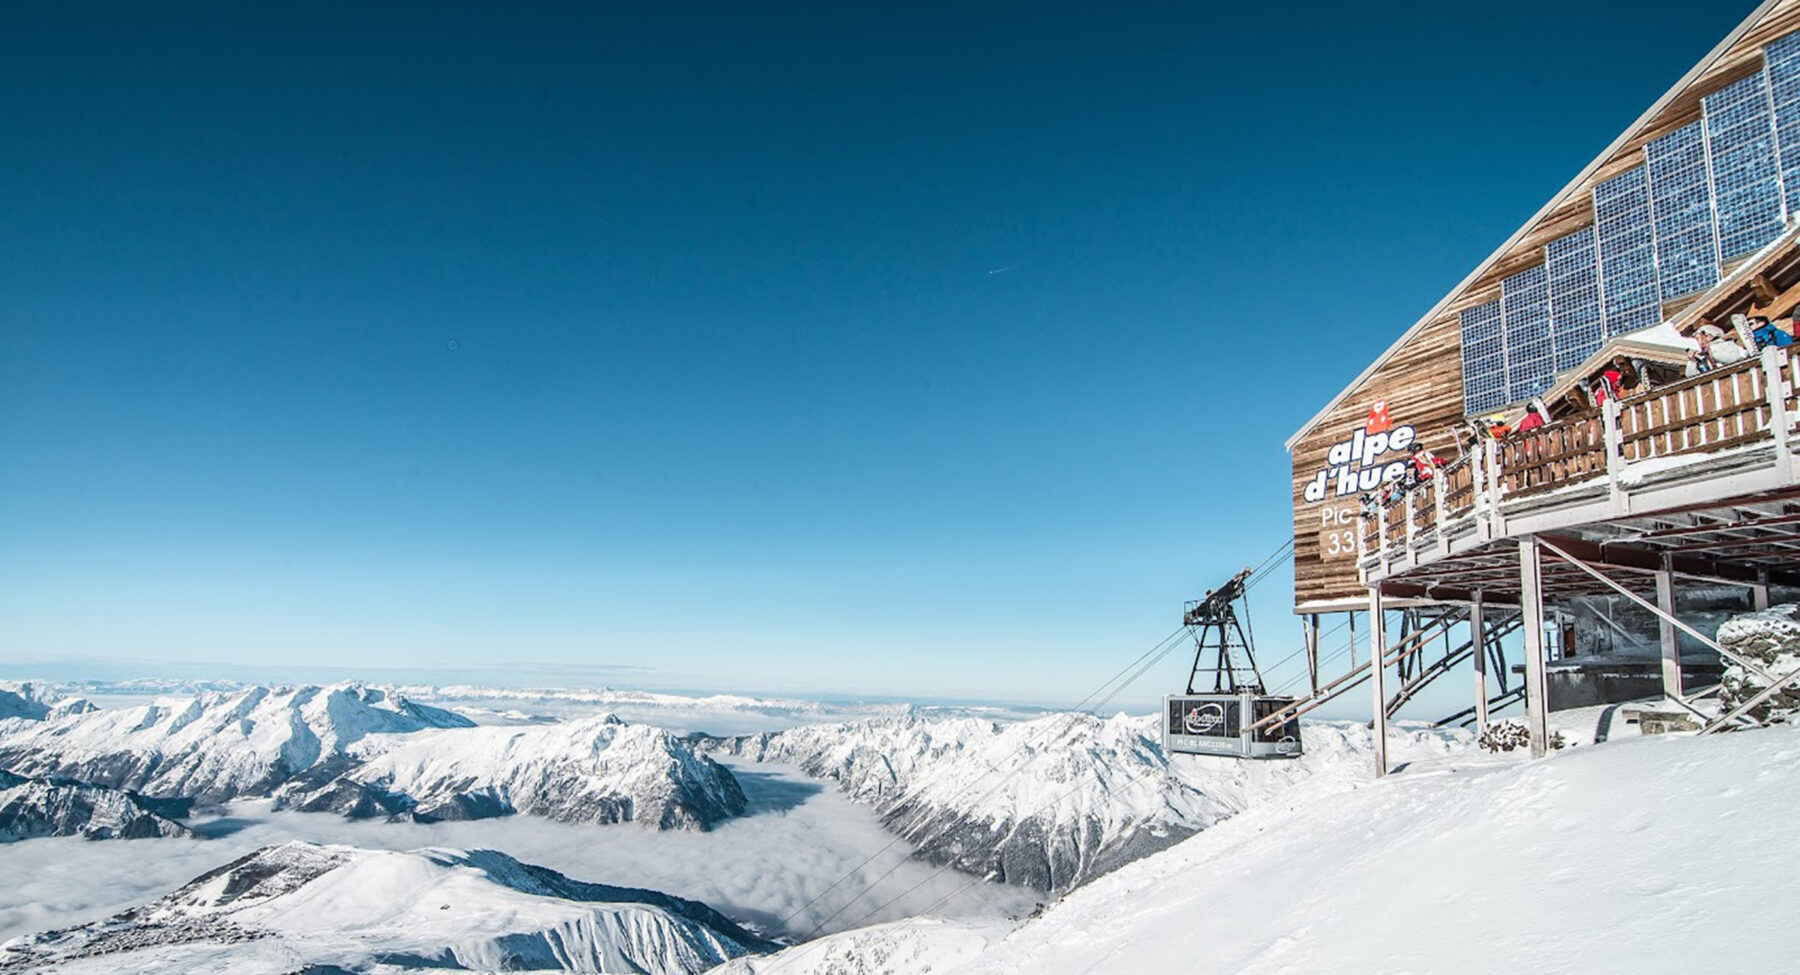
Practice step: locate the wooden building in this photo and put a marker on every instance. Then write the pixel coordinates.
(1642, 481)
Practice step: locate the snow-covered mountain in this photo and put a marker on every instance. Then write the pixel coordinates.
(36, 701)
(1054, 802)
(42, 807)
(1645, 854)
(298, 905)
(598, 770)
(363, 751)
(215, 746)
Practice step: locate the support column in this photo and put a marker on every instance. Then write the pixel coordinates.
(1759, 593)
(1531, 607)
(1478, 648)
(1378, 675)
(1671, 640)
(1312, 649)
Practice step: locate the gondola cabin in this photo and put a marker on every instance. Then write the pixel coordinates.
(1214, 724)
(1236, 717)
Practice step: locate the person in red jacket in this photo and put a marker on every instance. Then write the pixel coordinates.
(1425, 464)
(1532, 420)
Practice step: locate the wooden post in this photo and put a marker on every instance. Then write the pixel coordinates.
(1438, 483)
(1531, 606)
(1478, 645)
(1614, 440)
(1378, 675)
(1496, 525)
(1671, 640)
(1759, 593)
(1775, 386)
(1381, 539)
(1353, 639)
(1412, 513)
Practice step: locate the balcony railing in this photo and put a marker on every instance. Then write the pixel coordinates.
(1662, 434)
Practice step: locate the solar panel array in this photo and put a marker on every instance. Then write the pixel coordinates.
(1687, 253)
(1746, 187)
(1574, 282)
(1781, 60)
(1708, 193)
(1627, 253)
(1525, 315)
(1484, 358)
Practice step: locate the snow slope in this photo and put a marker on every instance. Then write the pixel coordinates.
(40, 807)
(286, 907)
(598, 770)
(1645, 854)
(1054, 802)
(215, 746)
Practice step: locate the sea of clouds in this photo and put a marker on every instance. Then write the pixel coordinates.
(771, 869)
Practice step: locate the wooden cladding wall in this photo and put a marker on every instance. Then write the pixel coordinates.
(1421, 381)
(1422, 387)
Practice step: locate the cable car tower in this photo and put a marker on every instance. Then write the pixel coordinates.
(1216, 721)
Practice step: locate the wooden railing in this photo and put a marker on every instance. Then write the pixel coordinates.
(1711, 411)
(1730, 407)
(1572, 449)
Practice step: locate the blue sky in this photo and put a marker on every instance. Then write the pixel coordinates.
(926, 349)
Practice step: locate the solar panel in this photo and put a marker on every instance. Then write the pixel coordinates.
(1573, 273)
(1484, 357)
(1525, 315)
(1740, 148)
(1687, 252)
(1781, 58)
(1627, 256)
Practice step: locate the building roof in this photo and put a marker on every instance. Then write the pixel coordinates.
(1564, 194)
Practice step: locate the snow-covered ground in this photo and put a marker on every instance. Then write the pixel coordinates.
(1640, 854)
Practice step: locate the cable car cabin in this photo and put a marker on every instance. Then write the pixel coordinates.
(1235, 718)
(1213, 724)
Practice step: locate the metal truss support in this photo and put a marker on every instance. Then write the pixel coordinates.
(1670, 618)
(1378, 673)
(1531, 605)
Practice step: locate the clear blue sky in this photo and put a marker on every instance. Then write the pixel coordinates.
(923, 349)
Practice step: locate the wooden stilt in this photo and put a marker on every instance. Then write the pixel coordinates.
(1671, 641)
(1531, 605)
(1378, 675)
(1478, 653)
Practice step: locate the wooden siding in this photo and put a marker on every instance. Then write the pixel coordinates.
(1422, 380)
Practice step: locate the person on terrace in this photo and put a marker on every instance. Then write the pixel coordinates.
(1766, 334)
(1425, 464)
(1533, 418)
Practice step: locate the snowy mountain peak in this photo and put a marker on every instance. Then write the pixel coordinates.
(597, 770)
(299, 904)
(35, 701)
